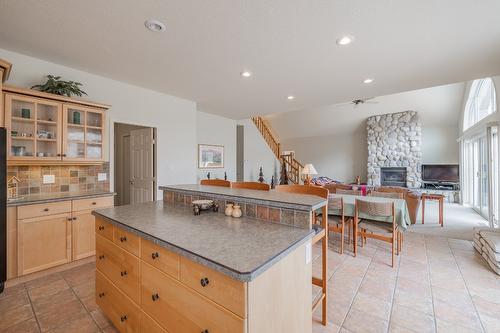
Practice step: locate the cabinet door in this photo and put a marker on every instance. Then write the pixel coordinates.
(83, 235)
(43, 242)
(34, 128)
(83, 133)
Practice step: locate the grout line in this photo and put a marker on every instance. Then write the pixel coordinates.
(467, 287)
(32, 308)
(430, 283)
(394, 292)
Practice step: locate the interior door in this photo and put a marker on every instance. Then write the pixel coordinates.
(141, 165)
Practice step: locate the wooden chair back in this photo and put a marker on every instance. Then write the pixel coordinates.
(216, 182)
(393, 195)
(251, 186)
(371, 208)
(348, 192)
(333, 187)
(304, 189)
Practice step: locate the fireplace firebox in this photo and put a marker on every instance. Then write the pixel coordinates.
(393, 176)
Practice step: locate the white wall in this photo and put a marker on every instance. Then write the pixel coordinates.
(340, 157)
(174, 118)
(439, 144)
(216, 130)
(258, 154)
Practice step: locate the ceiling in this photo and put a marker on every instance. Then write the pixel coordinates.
(437, 106)
(288, 45)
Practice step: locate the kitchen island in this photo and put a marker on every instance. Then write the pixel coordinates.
(162, 269)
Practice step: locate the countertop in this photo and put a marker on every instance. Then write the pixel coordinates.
(53, 197)
(241, 248)
(280, 199)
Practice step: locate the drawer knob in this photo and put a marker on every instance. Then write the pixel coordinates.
(45, 209)
(123, 239)
(101, 295)
(101, 257)
(204, 282)
(155, 255)
(74, 218)
(101, 227)
(205, 331)
(124, 273)
(155, 297)
(94, 203)
(123, 318)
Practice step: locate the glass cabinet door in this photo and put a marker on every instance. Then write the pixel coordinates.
(34, 127)
(83, 133)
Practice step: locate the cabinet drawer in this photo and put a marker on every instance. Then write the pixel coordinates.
(181, 309)
(220, 288)
(148, 325)
(92, 203)
(166, 261)
(38, 210)
(119, 266)
(103, 228)
(117, 307)
(127, 240)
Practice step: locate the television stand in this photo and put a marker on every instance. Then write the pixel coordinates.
(442, 186)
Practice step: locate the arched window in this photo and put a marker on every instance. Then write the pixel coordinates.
(481, 101)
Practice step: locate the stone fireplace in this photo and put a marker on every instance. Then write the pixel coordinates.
(394, 149)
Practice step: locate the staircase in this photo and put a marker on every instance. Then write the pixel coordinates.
(293, 167)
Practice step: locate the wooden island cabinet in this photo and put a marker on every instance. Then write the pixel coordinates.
(155, 282)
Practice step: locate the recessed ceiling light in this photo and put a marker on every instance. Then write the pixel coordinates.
(246, 74)
(291, 97)
(345, 40)
(155, 25)
(367, 81)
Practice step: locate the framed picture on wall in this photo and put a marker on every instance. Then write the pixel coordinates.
(210, 156)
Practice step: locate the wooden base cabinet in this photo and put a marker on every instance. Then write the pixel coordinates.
(42, 236)
(44, 242)
(175, 296)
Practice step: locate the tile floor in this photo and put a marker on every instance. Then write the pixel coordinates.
(61, 302)
(438, 285)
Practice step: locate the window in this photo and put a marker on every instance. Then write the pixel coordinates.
(481, 102)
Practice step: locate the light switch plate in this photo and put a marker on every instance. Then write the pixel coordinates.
(49, 179)
(101, 177)
(308, 253)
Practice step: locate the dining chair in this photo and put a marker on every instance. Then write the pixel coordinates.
(392, 195)
(349, 192)
(216, 182)
(370, 228)
(320, 235)
(251, 185)
(337, 222)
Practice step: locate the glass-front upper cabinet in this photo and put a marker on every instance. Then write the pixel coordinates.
(34, 128)
(83, 133)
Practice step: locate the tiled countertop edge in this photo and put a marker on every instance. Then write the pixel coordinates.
(276, 204)
(47, 200)
(241, 276)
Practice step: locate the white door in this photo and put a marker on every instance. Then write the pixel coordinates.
(141, 165)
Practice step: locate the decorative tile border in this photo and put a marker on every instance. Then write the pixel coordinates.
(292, 217)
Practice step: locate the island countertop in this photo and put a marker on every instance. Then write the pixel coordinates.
(279, 199)
(241, 248)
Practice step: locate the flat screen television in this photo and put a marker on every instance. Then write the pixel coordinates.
(443, 173)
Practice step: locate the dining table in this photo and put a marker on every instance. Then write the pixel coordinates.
(400, 207)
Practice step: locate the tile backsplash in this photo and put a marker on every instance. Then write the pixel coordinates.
(68, 178)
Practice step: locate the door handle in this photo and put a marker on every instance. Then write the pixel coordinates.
(131, 182)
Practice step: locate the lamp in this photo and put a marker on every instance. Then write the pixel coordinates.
(308, 170)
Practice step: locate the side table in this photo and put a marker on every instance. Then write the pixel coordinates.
(436, 197)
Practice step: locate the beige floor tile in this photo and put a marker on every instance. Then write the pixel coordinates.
(398, 329)
(374, 306)
(100, 318)
(358, 321)
(51, 287)
(464, 316)
(66, 313)
(27, 326)
(14, 316)
(80, 274)
(15, 290)
(409, 318)
(317, 327)
(52, 303)
(491, 324)
(446, 327)
(89, 303)
(13, 301)
(85, 289)
(80, 324)
(414, 301)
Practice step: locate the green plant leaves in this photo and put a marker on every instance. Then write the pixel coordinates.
(55, 85)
